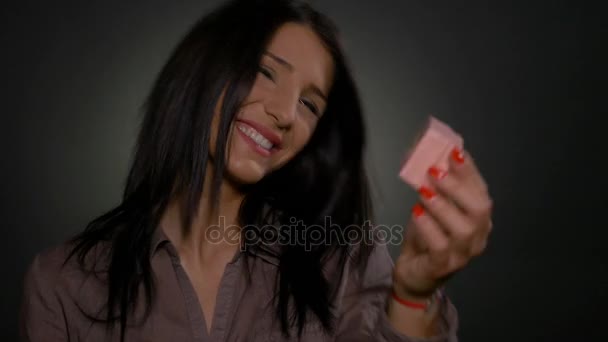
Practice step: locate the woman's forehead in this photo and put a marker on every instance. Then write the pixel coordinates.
(300, 50)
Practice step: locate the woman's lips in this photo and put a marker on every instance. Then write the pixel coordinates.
(264, 131)
(254, 144)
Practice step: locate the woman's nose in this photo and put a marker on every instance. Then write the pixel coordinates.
(282, 106)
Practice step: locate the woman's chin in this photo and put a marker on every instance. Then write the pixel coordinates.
(246, 173)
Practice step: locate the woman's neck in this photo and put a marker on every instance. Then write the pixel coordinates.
(210, 234)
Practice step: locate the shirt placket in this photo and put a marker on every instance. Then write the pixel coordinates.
(226, 297)
(223, 305)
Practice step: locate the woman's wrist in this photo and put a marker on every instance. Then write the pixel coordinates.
(412, 293)
(414, 315)
(423, 302)
(415, 304)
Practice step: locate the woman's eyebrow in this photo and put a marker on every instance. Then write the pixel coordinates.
(290, 67)
(280, 60)
(318, 91)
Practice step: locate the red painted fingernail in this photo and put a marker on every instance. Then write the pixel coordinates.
(426, 192)
(436, 173)
(418, 210)
(457, 155)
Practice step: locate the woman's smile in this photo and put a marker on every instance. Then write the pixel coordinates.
(260, 138)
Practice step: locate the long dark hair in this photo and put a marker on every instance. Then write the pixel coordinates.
(327, 178)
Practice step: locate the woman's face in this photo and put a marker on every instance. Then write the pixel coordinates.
(281, 112)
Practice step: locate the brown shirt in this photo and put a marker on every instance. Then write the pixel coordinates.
(57, 300)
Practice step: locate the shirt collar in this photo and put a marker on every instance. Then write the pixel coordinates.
(268, 253)
(159, 238)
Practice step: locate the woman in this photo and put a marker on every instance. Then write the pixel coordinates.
(255, 122)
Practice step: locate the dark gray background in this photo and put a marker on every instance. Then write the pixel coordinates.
(520, 80)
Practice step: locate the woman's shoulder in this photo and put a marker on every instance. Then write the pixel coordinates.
(63, 257)
(59, 291)
(57, 269)
(47, 265)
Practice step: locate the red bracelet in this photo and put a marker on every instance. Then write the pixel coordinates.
(415, 305)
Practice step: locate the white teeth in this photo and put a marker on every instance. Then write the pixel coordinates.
(255, 136)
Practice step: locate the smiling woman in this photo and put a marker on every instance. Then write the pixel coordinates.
(286, 101)
(255, 122)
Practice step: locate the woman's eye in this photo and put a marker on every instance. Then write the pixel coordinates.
(266, 73)
(311, 106)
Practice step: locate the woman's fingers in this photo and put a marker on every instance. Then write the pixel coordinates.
(466, 195)
(453, 222)
(449, 226)
(463, 167)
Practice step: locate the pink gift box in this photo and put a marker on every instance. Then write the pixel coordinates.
(433, 148)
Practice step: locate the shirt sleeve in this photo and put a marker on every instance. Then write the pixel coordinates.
(364, 300)
(41, 317)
